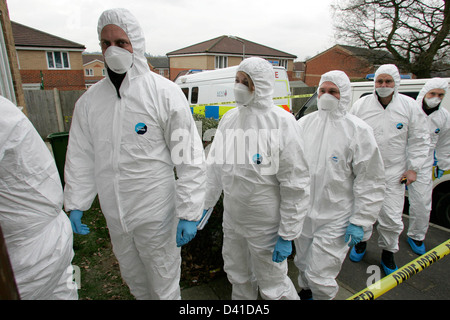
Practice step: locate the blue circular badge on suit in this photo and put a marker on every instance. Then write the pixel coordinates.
(399, 126)
(140, 128)
(257, 158)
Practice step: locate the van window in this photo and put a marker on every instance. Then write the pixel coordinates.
(186, 92)
(194, 95)
(309, 107)
(409, 94)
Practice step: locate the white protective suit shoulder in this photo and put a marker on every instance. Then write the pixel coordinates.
(399, 129)
(37, 232)
(346, 168)
(438, 125)
(264, 176)
(126, 148)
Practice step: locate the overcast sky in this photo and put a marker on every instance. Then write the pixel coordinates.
(299, 27)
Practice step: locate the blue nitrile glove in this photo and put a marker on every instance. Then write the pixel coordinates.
(75, 219)
(282, 250)
(186, 231)
(354, 234)
(439, 173)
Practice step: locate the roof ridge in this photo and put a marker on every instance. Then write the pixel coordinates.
(75, 44)
(219, 39)
(214, 46)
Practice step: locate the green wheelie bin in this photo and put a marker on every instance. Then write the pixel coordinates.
(59, 143)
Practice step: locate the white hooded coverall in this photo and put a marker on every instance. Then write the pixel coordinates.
(257, 160)
(403, 140)
(420, 192)
(125, 149)
(37, 232)
(347, 186)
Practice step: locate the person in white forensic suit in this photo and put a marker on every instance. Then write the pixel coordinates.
(37, 231)
(347, 187)
(257, 160)
(420, 192)
(129, 132)
(403, 139)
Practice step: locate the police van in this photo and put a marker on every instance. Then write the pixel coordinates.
(411, 87)
(211, 93)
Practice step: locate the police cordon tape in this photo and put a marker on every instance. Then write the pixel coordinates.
(404, 273)
(232, 102)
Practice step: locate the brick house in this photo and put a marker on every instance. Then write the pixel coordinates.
(94, 68)
(47, 59)
(222, 52)
(299, 71)
(357, 63)
(159, 65)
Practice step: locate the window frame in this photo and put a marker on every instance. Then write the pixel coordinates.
(65, 61)
(220, 62)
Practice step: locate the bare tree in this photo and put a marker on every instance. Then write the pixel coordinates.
(416, 33)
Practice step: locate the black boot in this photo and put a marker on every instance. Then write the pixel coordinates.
(388, 262)
(358, 252)
(305, 294)
(360, 247)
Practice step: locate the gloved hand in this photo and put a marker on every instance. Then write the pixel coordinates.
(186, 231)
(282, 250)
(75, 219)
(439, 173)
(354, 234)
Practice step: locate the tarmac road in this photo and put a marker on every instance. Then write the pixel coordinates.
(433, 283)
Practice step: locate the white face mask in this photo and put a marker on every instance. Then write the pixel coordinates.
(432, 102)
(327, 102)
(384, 92)
(242, 94)
(118, 59)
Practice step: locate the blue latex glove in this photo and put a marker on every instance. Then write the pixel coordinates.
(186, 231)
(354, 234)
(75, 219)
(439, 173)
(282, 250)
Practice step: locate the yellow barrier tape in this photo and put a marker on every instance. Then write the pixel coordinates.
(232, 102)
(404, 273)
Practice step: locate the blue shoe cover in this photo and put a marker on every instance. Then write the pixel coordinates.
(416, 249)
(356, 257)
(388, 271)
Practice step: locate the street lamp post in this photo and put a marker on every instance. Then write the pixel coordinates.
(243, 45)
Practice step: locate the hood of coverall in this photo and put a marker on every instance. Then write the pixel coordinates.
(128, 23)
(435, 83)
(391, 70)
(341, 80)
(262, 75)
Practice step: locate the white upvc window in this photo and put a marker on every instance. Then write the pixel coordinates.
(89, 72)
(58, 60)
(221, 62)
(284, 63)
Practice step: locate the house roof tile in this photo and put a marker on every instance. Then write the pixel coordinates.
(89, 57)
(228, 45)
(29, 37)
(159, 62)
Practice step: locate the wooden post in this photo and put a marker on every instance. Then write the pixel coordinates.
(8, 287)
(59, 115)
